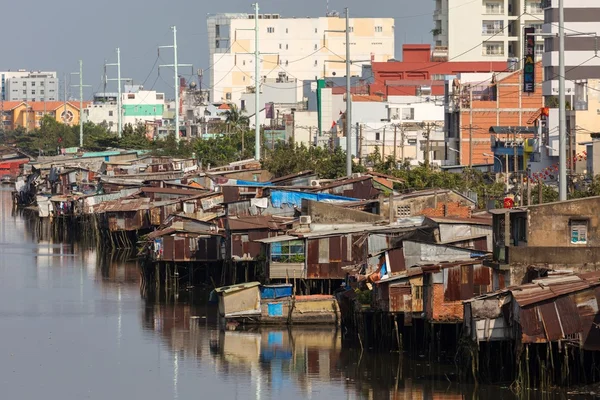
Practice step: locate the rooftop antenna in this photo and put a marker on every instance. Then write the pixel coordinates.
(327, 11)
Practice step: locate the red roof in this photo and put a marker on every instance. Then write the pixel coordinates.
(224, 106)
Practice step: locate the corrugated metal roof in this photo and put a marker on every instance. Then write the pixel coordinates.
(276, 239)
(123, 205)
(236, 288)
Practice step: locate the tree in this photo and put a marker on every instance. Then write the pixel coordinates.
(236, 118)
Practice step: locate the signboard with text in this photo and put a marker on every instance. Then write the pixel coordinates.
(529, 61)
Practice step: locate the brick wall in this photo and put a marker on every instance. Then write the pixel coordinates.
(450, 209)
(442, 310)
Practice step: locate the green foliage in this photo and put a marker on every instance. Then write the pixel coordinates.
(549, 193)
(363, 296)
(224, 149)
(287, 158)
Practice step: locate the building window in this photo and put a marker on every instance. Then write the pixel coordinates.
(539, 49)
(110, 113)
(270, 29)
(286, 63)
(408, 114)
(579, 231)
(316, 46)
(316, 63)
(279, 46)
(42, 83)
(286, 46)
(489, 28)
(534, 8)
(418, 292)
(228, 96)
(131, 96)
(288, 252)
(32, 83)
(493, 49)
(379, 29)
(24, 83)
(315, 30)
(33, 91)
(351, 29)
(160, 96)
(377, 136)
(494, 8)
(24, 91)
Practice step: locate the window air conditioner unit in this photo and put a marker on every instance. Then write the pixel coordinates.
(305, 220)
(314, 183)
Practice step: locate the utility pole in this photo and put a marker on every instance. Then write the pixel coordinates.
(383, 146)
(562, 117)
(349, 101)
(359, 142)
(120, 97)
(256, 85)
(175, 67)
(64, 98)
(428, 126)
(81, 86)
(395, 147)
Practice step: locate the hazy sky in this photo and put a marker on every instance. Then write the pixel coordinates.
(49, 35)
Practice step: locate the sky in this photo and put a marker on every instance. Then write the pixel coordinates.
(54, 36)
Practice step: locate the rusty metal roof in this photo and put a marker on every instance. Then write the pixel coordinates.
(191, 191)
(243, 223)
(123, 205)
(548, 288)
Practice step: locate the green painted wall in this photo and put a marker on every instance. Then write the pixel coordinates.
(143, 110)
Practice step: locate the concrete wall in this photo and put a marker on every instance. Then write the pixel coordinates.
(328, 214)
(549, 226)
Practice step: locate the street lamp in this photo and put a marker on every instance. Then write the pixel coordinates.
(506, 167)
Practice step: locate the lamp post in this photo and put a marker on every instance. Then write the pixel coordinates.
(506, 167)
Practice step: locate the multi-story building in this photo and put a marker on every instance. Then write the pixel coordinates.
(582, 24)
(301, 48)
(485, 30)
(29, 115)
(29, 86)
(139, 106)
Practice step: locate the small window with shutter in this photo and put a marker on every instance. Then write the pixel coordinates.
(579, 231)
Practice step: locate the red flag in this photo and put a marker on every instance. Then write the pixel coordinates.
(333, 125)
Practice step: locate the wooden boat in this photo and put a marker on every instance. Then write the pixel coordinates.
(253, 303)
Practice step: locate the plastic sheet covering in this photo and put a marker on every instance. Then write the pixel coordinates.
(295, 198)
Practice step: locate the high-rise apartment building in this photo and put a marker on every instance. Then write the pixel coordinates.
(485, 30)
(291, 48)
(29, 86)
(582, 24)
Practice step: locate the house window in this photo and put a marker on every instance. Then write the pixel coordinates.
(489, 28)
(131, 96)
(539, 49)
(270, 29)
(279, 46)
(377, 137)
(418, 292)
(42, 83)
(286, 30)
(579, 231)
(42, 91)
(286, 46)
(33, 83)
(24, 83)
(494, 8)
(160, 96)
(288, 252)
(315, 47)
(316, 63)
(408, 114)
(110, 113)
(403, 211)
(33, 91)
(379, 29)
(493, 49)
(24, 91)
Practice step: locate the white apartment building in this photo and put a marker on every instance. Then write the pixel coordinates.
(139, 106)
(581, 16)
(22, 85)
(485, 30)
(300, 48)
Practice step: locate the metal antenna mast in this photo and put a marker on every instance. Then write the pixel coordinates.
(81, 86)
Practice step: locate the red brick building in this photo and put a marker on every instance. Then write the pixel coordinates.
(417, 71)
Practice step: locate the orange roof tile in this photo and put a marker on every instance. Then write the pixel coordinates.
(224, 106)
(11, 105)
(52, 105)
(361, 97)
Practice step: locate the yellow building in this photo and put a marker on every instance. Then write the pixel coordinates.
(30, 114)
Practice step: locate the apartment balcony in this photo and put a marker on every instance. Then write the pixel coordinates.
(492, 32)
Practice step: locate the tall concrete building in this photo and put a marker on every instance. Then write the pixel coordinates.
(29, 86)
(291, 49)
(582, 18)
(485, 30)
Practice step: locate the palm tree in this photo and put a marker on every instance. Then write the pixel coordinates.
(236, 118)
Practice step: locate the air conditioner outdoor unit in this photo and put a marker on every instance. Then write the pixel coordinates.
(315, 183)
(356, 175)
(305, 220)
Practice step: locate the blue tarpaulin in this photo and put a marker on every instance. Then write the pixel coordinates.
(252, 183)
(280, 197)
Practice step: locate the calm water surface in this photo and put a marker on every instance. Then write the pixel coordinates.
(74, 326)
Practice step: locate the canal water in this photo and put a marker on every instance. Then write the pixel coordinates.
(73, 325)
